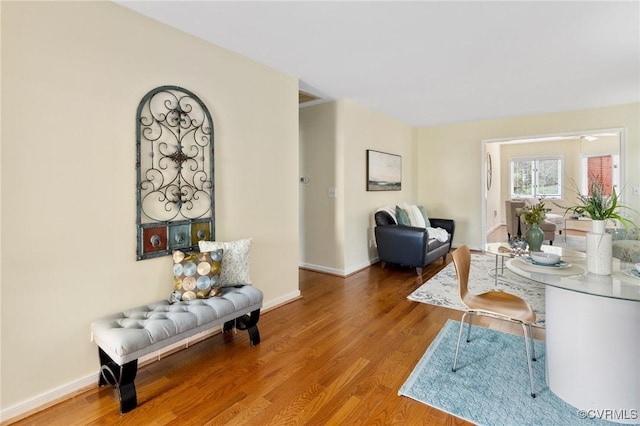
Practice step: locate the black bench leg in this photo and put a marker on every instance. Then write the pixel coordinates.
(246, 322)
(252, 327)
(127, 388)
(121, 377)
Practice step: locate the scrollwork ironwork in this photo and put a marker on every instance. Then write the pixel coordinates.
(175, 179)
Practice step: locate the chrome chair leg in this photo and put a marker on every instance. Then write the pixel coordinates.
(455, 358)
(528, 353)
(470, 324)
(533, 346)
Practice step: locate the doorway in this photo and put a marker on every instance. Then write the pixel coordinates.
(574, 151)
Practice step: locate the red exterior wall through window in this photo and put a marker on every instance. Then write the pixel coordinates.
(599, 170)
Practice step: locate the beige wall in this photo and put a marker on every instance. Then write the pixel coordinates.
(493, 194)
(72, 77)
(450, 159)
(364, 129)
(337, 233)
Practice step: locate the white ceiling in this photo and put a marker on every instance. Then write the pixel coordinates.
(428, 63)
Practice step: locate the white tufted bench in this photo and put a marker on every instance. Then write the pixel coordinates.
(125, 337)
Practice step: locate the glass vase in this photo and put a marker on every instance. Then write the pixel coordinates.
(534, 237)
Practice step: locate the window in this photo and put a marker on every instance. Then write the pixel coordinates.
(536, 177)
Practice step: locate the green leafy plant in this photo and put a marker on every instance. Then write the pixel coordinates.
(597, 205)
(534, 214)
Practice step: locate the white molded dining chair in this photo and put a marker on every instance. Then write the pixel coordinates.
(496, 304)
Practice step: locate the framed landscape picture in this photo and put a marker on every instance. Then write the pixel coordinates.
(384, 171)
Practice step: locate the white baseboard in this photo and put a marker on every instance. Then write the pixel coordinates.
(320, 268)
(361, 266)
(335, 271)
(494, 228)
(48, 398)
(59, 394)
(280, 300)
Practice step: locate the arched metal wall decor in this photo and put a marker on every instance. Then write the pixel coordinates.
(175, 172)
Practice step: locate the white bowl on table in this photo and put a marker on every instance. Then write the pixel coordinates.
(544, 258)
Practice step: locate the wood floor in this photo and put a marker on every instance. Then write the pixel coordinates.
(336, 356)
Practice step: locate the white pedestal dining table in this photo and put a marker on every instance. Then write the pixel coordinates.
(592, 334)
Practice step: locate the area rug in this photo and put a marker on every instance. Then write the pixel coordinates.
(442, 289)
(574, 242)
(491, 386)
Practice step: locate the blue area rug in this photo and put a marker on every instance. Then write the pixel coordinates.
(491, 386)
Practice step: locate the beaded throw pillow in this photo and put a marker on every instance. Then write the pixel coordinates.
(235, 265)
(196, 275)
